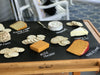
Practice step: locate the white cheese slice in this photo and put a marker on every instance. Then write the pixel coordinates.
(79, 32)
(74, 23)
(2, 27)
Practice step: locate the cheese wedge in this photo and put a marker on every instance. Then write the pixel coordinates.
(39, 46)
(80, 31)
(79, 47)
(19, 25)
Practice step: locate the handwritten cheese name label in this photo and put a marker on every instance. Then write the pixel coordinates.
(4, 44)
(82, 38)
(47, 54)
(22, 31)
(93, 51)
(61, 31)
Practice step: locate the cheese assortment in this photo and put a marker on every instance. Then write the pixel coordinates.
(33, 38)
(37, 43)
(40, 37)
(62, 41)
(19, 25)
(11, 52)
(74, 23)
(4, 33)
(39, 46)
(80, 31)
(79, 47)
(2, 28)
(5, 36)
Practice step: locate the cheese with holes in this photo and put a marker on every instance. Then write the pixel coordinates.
(39, 46)
(19, 25)
(79, 47)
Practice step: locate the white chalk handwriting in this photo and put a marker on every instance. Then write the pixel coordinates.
(22, 31)
(47, 54)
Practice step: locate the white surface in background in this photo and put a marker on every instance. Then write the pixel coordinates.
(93, 1)
(5, 10)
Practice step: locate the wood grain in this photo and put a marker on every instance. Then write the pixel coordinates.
(59, 66)
(93, 30)
(57, 74)
(76, 73)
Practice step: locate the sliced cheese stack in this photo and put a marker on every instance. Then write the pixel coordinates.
(39, 46)
(74, 23)
(2, 27)
(33, 38)
(55, 26)
(79, 32)
(19, 25)
(62, 41)
(5, 36)
(79, 47)
(11, 52)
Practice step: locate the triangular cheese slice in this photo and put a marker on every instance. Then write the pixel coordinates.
(79, 32)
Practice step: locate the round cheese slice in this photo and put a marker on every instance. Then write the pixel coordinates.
(1, 27)
(55, 26)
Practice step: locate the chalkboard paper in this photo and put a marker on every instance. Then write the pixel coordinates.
(55, 52)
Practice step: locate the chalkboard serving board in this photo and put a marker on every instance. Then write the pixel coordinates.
(54, 52)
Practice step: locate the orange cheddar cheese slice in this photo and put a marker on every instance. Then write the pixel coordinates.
(19, 25)
(39, 46)
(79, 47)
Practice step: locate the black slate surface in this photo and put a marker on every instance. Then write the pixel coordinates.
(55, 52)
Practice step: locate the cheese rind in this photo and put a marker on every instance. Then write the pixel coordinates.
(79, 47)
(39, 46)
(19, 25)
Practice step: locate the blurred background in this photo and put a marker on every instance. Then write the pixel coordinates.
(82, 9)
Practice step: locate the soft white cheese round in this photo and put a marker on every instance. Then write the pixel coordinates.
(55, 26)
